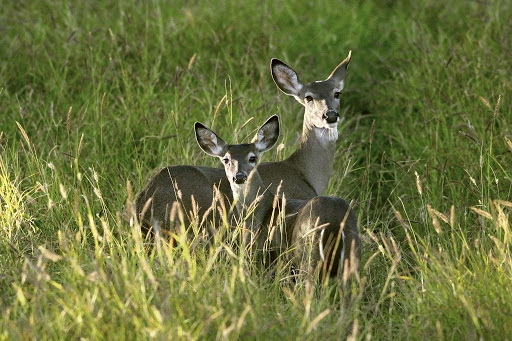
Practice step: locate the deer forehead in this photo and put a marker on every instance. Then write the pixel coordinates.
(321, 89)
(241, 152)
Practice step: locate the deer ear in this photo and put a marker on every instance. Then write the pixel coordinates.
(285, 78)
(209, 142)
(268, 134)
(339, 73)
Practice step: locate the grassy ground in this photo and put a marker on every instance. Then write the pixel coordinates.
(96, 95)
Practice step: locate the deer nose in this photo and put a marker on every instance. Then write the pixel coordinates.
(331, 116)
(240, 178)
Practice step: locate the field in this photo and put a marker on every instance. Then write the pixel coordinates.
(97, 95)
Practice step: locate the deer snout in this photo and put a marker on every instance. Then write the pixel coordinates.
(240, 178)
(331, 116)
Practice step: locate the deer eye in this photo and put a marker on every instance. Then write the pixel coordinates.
(309, 98)
(225, 160)
(337, 94)
(253, 159)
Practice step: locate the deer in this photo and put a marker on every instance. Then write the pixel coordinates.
(322, 232)
(201, 194)
(253, 202)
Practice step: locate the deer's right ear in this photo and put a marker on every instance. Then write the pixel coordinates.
(268, 134)
(209, 142)
(285, 78)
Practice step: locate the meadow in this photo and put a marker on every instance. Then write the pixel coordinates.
(95, 96)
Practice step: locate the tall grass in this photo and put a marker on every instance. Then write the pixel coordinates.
(96, 95)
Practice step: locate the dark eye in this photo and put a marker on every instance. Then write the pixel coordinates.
(225, 160)
(253, 159)
(309, 98)
(336, 94)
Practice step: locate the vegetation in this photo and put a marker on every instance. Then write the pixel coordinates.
(96, 95)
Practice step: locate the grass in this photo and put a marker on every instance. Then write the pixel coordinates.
(97, 95)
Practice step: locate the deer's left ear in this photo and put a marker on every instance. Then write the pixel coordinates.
(285, 78)
(209, 142)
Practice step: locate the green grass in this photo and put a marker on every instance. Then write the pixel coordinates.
(96, 95)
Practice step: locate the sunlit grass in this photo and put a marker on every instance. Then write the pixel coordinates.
(94, 96)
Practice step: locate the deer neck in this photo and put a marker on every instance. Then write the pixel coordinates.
(253, 200)
(315, 155)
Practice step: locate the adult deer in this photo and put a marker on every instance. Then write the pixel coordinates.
(303, 175)
(321, 233)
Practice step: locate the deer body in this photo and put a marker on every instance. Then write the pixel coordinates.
(193, 189)
(325, 239)
(303, 175)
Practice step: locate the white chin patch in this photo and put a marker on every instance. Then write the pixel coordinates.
(333, 125)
